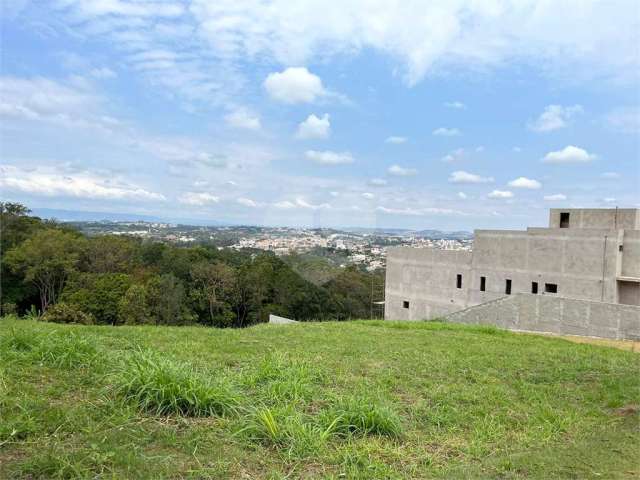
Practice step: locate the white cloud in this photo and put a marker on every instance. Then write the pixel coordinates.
(457, 105)
(328, 157)
(294, 85)
(418, 212)
(460, 176)
(517, 149)
(49, 183)
(247, 202)
(368, 195)
(555, 117)
(103, 73)
(480, 148)
(242, 118)
(314, 127)
(301, 202)
(446, 132)
(556, 197)
(399, 171)
(334, 194)
(502, 194)
(610, 175)
(624, 119)
(421, 37)
(284, 205)
(453, 156)
(569, 154)
(462, 195)
(524, 182)
(198, 199)
(377, 182)
(396, 140)
(609, 200)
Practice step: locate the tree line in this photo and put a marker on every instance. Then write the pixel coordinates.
(53, 270)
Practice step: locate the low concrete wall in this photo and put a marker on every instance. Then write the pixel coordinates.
(565, 316)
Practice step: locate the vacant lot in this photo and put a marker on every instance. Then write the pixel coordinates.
(332, 400)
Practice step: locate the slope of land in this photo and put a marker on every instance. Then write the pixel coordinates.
(322, 400)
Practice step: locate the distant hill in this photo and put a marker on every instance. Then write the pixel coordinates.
(85, 216)
(433, 234)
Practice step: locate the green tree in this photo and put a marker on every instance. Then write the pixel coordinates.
(98, 294)
(110, 254)
(133, 308)
(166, 296)
(213, 284)
(46, 260)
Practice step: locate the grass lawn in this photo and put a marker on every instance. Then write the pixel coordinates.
(367, 399)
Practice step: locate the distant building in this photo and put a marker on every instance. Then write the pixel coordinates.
(585, 254)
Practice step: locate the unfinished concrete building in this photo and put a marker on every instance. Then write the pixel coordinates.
(584, 269)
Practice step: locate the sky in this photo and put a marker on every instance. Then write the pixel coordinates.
(363, 113)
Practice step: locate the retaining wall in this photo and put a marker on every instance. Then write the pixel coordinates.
(552, 314)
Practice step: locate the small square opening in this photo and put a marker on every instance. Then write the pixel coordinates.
(534, 287)
(405, 304)
(507, 286)
(483, 284)
(564, 219)
(459, 281)
(551, 288)
(620, 248)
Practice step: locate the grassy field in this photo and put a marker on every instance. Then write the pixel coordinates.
(324, 400)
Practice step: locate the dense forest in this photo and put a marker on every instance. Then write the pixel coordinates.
(52, 271)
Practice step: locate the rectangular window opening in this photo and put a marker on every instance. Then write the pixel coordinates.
(550, 288)
(459, 281)
(534, 287)
(483, 284)
(507, 286)
(405, 304)
(620, 248)
(564, 219)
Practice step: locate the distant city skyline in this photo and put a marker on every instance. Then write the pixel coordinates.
(448, 115)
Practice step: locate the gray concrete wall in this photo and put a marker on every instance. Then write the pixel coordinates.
(630, 266)
(426, 278)
(610, 218)
(582, 263)
(539, 313)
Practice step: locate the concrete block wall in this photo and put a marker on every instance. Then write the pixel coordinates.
(550, 314)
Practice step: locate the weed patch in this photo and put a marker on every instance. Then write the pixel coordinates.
(164, 387)
(361, 416)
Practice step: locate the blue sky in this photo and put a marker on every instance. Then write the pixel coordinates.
(452, 115)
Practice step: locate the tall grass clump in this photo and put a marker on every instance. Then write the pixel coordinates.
(361, 416)
(287, 429)
(57, 349)
(165, 387)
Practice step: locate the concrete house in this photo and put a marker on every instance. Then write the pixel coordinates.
(584, 257)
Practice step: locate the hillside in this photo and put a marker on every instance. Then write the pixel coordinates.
(316, 400)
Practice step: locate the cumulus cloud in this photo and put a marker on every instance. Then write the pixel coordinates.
(247, 202)
(368, 195)
(314, 127)
(418, 212)
(610, 175)
(198, 199)
(301, 202)
(453, 156)
(102, 73)
(556, 197)
(294, 85)
(328, 157)
(569, 154)
(49, 183)
(501, 194)
(462, 195)
(421, 37)
(396, 140)
(399, 171)
(243, 118)
(377, 182)
(624, 119)
(460, 176)
(524, 182)
(456, 105)
(446, 132)
(555, 117)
